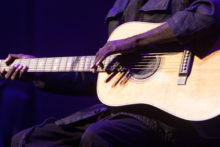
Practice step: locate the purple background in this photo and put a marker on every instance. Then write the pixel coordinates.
(45, 29)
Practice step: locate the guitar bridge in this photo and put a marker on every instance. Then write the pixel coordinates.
(185, 67)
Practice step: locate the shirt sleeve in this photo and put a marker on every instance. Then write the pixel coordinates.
(198, 17)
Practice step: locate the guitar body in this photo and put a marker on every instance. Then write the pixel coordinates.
(198, 99)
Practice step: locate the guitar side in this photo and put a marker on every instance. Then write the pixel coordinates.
(198, 100)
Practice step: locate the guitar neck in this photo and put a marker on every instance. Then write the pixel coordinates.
(57, 64)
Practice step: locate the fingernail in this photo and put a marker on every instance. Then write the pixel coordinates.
(21, 67)
(16, 65)
(97, 63)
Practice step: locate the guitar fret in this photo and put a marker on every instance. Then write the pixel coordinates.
(48, 64)
(66, 63)
(81, 63)
(56, 63)
(59, 64)
(45, 64)
(90, 63)
(92, 60)
(79, 68)
(69, 64)
(32, 65)
(63, 62)
(28, 63)
(76, 64)
(41, 63)
(87, 62)
(36, 64)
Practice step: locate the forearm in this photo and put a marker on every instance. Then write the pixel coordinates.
(159, 35)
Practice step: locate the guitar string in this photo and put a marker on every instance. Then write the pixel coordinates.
(72, 63)
(107, 69)
(138, 64)
(78, 63)
(59, 65)
(99, 69)
(76, 66)
(149, 67)
(91, 57)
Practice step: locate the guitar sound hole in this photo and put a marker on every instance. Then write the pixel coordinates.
(145, 67)
(139, 66)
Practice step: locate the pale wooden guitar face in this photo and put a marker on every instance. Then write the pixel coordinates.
(199, 99)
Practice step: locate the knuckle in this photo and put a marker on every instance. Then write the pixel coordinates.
(22, 71)
(17, 70)
(12, 77)
(14, 67)
(10, 69)
(6, 76)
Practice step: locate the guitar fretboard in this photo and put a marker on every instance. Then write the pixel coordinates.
(58, 64)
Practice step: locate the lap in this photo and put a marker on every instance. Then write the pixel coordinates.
(109, 130)
(120, 132)
(48, 135)
(116, 132)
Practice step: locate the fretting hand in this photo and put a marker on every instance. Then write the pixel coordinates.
(113, 47)
(16, 71)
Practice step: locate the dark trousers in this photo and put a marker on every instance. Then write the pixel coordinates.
(107, 129)
(117, 132)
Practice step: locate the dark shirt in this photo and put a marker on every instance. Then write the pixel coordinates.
(185, 17)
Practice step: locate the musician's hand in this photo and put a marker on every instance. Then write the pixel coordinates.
(113, 47)
(16, 71)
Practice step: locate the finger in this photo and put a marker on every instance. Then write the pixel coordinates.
(101, 59)
(17, 70)
(11, 71)
(24, 69)
(10, 58)
(101, 65)
(98, 62)
(100, 56)
(94, 66)
(2, 74)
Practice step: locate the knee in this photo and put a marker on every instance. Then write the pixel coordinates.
(18, 138)
(15, 140)
(94, 135)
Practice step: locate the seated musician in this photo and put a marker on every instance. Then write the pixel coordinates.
(184, 21)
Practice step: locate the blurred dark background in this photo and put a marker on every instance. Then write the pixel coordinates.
(45, 28)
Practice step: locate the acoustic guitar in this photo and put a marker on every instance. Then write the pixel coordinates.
(157, 79)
